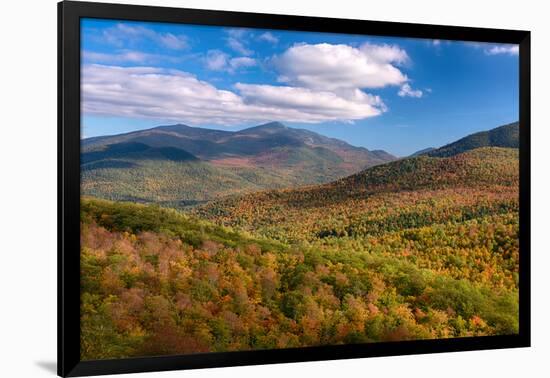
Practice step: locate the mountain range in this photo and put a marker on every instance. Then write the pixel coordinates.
(183, 165)
(259, 144)
(180, 165)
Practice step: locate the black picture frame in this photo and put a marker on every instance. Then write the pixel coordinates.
(69, 14)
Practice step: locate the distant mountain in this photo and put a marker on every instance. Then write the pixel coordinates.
(179, 164)
(503, 136)
(252, 143)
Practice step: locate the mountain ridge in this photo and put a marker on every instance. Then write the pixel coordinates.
(175, 164)
(501, 136)
(209, 144)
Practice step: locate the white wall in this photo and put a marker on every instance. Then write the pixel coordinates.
(28, 186)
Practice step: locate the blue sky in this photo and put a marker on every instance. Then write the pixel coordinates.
(396, 94)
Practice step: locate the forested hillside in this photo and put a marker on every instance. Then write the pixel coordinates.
(502, 136)
(408, 193)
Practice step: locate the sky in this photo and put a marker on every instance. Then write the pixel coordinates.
(400, 95)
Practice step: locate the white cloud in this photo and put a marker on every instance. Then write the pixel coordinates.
(216, 60)
(322, 82)
(495, 49)
(242, 62)
(407, 91)
(385, 53)
(237, 40)
(316, 106)
(173, 42)
(148, 92)
(123, 35)
(333, 67)
(436, 42)
(238, 46)
(503, 49)
(268, 37)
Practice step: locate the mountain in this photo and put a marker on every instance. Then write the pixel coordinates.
(249, 144)
(181, 165)
(413, 191)
(503, 136)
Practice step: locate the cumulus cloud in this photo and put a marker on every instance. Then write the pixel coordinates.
(407, 91)
(317, 83)
(123, 34)
(268, 37)
(149, 92)
(316, 106)
(385, 53)
(332, 67)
